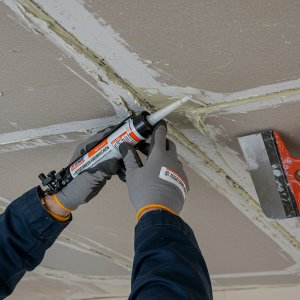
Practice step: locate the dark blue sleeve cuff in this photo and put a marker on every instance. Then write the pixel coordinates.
(38, 217)
(164, 218)
(27, 230)
(168, 263)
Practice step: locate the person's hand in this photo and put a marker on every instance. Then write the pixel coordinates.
(88, 183)
(161, 182)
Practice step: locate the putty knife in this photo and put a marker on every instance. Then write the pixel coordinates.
(274, 173)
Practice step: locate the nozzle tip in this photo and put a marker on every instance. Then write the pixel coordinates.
(185, 99)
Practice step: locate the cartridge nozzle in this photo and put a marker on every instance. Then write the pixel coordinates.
(157, 116)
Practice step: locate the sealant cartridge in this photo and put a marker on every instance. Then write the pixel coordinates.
(131, 130)
(135, 130)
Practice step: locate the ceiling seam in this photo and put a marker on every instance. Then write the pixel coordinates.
(197, 115)
(56, 129)
(177, 133)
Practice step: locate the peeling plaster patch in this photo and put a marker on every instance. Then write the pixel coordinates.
(123, 102)
(101, 79)
(152, 91)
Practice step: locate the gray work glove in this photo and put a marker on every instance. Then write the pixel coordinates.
(161, 182)
(89, 182)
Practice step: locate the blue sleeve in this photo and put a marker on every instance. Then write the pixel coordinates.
(168, 264)
(27, 230)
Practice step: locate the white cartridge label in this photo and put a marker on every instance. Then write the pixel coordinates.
(99, 153)
(171, 176)
(108, 149)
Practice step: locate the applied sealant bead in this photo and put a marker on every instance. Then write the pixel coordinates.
(157, 116)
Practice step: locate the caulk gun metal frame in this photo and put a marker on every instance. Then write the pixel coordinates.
(56, 182)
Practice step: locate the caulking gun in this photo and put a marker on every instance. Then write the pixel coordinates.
(133, 130)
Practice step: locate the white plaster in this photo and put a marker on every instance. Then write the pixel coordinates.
(224, 157)
(68, 245)
(25, 135)
(106, 248)
(270, 103)
(152, 91)
(5, 200)
(40, 142)
(97, 252)
(263, 90)
(278, 292)
(64, 275)
(255, 274)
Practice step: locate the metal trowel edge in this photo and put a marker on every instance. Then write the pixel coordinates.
(274, 173)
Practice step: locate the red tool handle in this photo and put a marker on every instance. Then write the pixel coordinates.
(291, 166)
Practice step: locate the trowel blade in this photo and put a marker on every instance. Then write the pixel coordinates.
(268, 175)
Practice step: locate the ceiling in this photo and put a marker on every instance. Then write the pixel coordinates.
(70, 68)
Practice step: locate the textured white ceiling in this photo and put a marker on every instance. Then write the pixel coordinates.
(50, 91)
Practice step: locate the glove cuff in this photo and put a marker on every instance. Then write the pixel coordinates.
(153, 205)
(59, 203)
(157, 195)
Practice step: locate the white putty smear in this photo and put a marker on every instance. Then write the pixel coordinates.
(250, 155)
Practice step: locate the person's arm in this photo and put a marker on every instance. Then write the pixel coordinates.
(27, 230)
(168, 263)
(31, 224)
